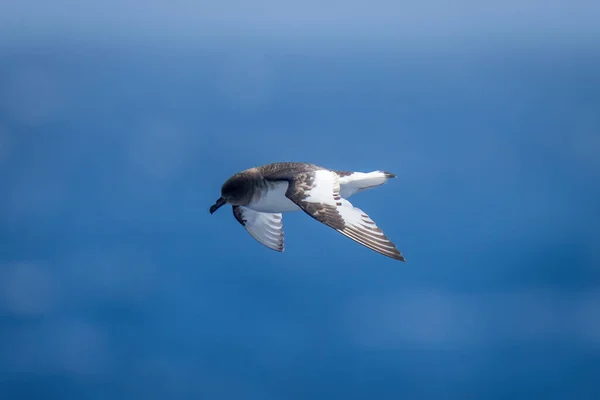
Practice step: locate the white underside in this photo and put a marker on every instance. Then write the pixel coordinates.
(275, 201)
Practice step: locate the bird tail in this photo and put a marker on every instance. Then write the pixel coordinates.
(359, 181)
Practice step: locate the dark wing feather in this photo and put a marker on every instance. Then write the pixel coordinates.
(285, 171)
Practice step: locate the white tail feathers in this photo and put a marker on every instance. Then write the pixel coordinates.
(360, 181)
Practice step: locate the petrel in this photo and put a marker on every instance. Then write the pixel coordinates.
(261, 194)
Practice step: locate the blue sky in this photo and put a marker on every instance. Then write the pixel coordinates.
(331, 18)
(116, 135)
(380, 21)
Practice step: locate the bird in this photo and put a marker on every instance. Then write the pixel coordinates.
(260, 195)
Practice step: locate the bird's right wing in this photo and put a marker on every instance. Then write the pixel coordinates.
(317, 193)
(267, 228)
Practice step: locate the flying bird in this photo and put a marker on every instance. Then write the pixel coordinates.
(261, 194)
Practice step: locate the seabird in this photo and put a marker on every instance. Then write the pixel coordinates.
(261, 194)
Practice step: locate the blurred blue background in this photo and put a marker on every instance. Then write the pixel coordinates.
(120, 120)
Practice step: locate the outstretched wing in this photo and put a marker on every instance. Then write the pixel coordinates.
(317, 193)
(267, 228)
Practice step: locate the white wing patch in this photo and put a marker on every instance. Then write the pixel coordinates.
(266, 228)
(318, 195)
(324, 185)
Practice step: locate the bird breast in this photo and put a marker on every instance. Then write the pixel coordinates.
(270, 198)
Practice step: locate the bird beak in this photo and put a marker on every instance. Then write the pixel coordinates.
(220, 202)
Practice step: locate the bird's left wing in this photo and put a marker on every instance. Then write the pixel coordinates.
(318, 194)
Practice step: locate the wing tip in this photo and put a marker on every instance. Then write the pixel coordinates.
(396, 255)
(400, 257)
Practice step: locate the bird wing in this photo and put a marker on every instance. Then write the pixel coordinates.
(267, 228)
(317, 193)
